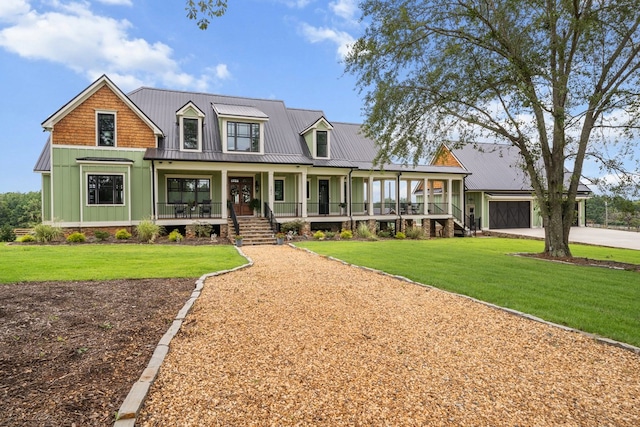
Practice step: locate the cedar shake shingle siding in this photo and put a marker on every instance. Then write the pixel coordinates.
(79, 126)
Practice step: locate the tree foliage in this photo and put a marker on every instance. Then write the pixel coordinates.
(20, 210)
(551, 78)
(203, 10)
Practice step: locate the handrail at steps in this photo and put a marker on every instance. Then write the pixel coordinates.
(234, 218)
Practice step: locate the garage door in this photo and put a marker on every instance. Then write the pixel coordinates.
(509, 215)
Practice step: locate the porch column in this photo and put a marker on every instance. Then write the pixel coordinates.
(449, 196)
(224, 191)
(370, 195)
(303, 192)
(270, 196)
(425, 196)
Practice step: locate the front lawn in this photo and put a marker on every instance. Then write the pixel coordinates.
(596, 300)
(36, 263)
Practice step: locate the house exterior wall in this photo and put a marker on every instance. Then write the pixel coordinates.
(79, 126)
(46, 197)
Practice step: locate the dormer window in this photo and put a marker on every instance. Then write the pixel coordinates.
(318, 138)
(243, 137)
(322, 143)
(190, 122)
(106, 129)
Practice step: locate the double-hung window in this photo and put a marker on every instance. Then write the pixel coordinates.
(243, 137)
(106, 129)
(190, 134)
(105, 190)
(322, 143)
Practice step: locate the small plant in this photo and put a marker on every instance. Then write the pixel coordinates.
(254, 204)
(123, 234)
(384, 234)
(45, 233)
(346, 234)
(106, 325)
(280, 235)
(175, 236)
(363, 231)
(147, 231)
(76, 237)
(400, 235)
(7, 234)
(238, 237)
(295, 226)
(27, 238)
(202, 229)
(101, 235)
(329, 235)
(414, 233)
(319, 235)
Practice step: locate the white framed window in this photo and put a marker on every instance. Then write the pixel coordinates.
(278, 189)
(190, 123)
(105, 189)
(106, 128)
(243, 137)
(321, 144)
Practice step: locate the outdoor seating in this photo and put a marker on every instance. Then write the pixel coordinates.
(205, 208)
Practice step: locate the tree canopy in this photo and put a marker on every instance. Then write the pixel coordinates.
(203, 10)
(553, 78)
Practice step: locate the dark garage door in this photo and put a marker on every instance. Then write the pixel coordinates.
(509, 215)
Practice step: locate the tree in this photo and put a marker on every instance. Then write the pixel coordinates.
(20, 209)
(203, 10)
(539, 75)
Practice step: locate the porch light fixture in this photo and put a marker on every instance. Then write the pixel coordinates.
(257, 186)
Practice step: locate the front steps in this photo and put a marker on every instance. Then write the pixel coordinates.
(254, 231)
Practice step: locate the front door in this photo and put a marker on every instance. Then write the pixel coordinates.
(323, 197)
(240, 194)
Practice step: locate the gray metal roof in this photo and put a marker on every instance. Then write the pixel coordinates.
(239, 111)
(495, 167)
(44, 161)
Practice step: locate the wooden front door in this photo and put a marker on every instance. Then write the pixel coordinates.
(240, 194)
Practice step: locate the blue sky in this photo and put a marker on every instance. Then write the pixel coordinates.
(50, 50)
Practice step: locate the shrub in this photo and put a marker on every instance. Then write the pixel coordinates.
(329, 235)
(76, 237)
(202, 229)
(123, 234)
(47, 233)
(400, 235)
(175, 236)
(295, 226)
(147, 231)
(7, 234)
(101, 235)
(27, 238)
(414, 233)
(363, 231)
(319, 235)
(346, 234)
(384, 234)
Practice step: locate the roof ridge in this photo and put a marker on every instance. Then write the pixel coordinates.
(206, 94)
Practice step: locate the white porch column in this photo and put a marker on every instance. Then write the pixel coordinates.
(425, 196)
(303, 192)
(449, 196)
(224, 191)
(271, 196)
(370, 195)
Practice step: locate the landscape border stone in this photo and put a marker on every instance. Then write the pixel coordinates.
(130, 408)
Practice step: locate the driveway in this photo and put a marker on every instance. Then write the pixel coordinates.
(589, 235)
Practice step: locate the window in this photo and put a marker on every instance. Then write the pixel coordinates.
(105, 190)
(243, 137)
(278, 190)
(308, 189)
(322, 145)
(106, 129)
(190, 134)
(188, 190)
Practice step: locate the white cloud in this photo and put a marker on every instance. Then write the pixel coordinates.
(116, 2)
(345, 9)
(92, 45)
(222, 72)
(11, 10)
(342, 39)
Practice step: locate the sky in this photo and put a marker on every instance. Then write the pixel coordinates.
(51, 50)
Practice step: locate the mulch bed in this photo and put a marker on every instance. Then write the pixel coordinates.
(70, 351)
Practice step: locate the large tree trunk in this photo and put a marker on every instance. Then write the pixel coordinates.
(558, 209)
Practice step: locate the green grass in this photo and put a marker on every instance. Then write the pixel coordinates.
(597, 300)
(36, 263)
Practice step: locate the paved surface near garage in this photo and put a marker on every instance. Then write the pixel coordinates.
(589, 235)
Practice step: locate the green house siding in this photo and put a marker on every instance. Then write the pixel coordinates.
(46, 197)
(69, 178)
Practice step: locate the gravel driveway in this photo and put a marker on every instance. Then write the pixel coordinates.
(301, 340)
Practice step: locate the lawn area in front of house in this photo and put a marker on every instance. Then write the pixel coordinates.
(36, 263)
(597, 300)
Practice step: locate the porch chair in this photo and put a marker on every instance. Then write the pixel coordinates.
(179, 209)
(205, 208)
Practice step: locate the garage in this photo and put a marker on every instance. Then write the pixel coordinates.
(509, 214)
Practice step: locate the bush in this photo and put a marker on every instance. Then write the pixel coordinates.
(7, 234)
(329, 235)
(101, 235)
(175, 236)
(414, 233)
(363, 231)
(123, 234)
(346, 234)
(384, 234)
(147, 231)
(201, 229)
(400, 235)
(27, 238)
(319, 235)
(76, 237)
(295, 226)
(47, 233)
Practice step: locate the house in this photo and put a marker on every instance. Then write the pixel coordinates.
(498, 191)
(183, 158)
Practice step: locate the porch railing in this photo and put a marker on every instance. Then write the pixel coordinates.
(189, 211)
(437, 208)
(411, 208)
(268, 213)
(458, 214)
(327, 209)
(234, 218)
(293, 209)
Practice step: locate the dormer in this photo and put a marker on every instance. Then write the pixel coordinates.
(190, 120)
(241, 128)
(318, 138)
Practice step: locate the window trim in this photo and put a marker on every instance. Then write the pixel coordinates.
(190, 111)
(315, 144)
(115, 128)
(99, 174)
(275, 179)
(242, 120)
(196, 177)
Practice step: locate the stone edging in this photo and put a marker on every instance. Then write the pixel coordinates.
(132, 404)
(598, 338)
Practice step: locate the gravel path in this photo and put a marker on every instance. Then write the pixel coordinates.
(301, 340)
